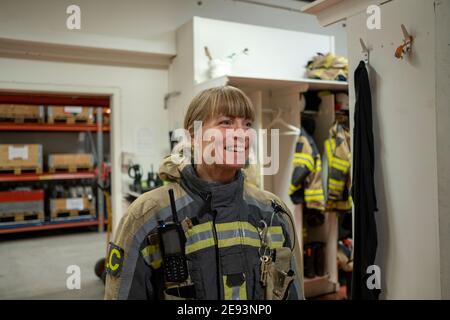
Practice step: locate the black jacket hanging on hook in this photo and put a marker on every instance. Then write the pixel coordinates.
(363, 191)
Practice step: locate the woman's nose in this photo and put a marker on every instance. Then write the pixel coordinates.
(239, 124)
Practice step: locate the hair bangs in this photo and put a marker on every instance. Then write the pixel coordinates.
(231, 102)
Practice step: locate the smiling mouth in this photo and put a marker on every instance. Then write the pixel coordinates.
(237, 149)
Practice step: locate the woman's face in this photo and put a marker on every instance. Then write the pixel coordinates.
(226, 141)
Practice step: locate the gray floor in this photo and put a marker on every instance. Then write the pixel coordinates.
(35, 268)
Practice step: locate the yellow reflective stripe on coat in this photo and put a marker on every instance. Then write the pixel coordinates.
(152, 255)
(234, 293)
(276, 237)
(305, 156)
(313, 191)
(229, 234)
(293, 188)
(298, 160)
(334, 162)
(336, 184)
(342, 162)
(314, 198)
(314, 195)
(237, 233)
(244, 233)
(338, 166)
(330, 145)
(199, 237)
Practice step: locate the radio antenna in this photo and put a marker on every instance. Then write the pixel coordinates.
(174, 208)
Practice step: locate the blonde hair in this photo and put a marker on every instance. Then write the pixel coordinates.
(219, 101)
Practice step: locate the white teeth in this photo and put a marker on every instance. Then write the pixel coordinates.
(235, 149)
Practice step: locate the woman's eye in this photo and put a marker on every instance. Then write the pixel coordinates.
(226, 122)
(249, 124)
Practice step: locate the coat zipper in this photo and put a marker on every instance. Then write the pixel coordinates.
(216, 248)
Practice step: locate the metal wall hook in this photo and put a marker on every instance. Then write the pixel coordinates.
(405, 47)
(365, 51)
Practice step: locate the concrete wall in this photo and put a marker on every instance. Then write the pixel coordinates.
(406, 155)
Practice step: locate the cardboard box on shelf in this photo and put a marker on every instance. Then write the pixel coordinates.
(71, 207)
(20, 157)
(21, 206)
(20, 113)
(70, 114)
(70, 161)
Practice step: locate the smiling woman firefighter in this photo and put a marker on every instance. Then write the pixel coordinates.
(208, 233)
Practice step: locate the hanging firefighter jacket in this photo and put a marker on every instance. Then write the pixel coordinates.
(363, 191)
(229, 229)
(306, 182)
(338, 154)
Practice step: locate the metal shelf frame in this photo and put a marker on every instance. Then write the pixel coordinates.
(61, 127)
(49, 226)
(98, 128)
(10, 177)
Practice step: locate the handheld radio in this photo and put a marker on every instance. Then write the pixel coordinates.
(172, 242)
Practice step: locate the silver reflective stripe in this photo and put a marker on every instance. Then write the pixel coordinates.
(276, 237)
(196, 237)
(222, 235)
(134, 252)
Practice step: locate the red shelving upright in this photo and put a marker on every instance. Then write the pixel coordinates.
(99, 104)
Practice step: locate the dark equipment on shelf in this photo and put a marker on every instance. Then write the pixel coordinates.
(308, 261)
(172, 241)
(314, 259)
(153, 180)
(312, 100)
(314, 218)
(134, 172)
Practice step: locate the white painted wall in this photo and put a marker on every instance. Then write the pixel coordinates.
(406, 173)
(181, 73)
(273, 53)
(144, 25)
(443, 132)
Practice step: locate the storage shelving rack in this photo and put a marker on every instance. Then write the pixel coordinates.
(100, 104)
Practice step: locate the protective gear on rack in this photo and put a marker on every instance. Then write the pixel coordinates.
(328, 67)
(338, 154)
(306, 181)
